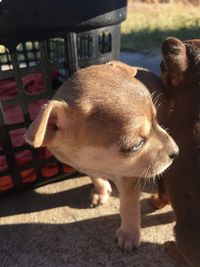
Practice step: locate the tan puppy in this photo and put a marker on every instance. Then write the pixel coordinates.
(102, 122)
(181, 78)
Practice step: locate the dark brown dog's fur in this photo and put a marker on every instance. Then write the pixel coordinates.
(181, 78)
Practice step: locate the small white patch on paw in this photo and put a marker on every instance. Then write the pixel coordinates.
(97, 198)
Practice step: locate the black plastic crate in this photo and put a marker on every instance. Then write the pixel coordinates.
(33, 64)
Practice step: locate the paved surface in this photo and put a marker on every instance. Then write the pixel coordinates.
(149, 61)
(53, 225)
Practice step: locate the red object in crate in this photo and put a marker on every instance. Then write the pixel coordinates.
(33, 84)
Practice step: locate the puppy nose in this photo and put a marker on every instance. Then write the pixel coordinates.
(174, 154)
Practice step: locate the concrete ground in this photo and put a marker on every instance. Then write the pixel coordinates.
(149, 61)
(54, 226)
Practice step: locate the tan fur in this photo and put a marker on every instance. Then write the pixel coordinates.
(102, 121)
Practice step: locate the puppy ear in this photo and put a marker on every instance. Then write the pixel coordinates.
(175, 61)
(129, 70)
(47, 125)
(175, 55)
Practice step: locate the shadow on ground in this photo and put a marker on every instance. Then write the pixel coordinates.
(84, 243)
(33, 201)
(76, 198)
(53, 226)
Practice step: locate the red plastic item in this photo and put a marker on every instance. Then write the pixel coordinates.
(33, 84)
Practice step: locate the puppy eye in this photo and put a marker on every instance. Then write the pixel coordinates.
(135, 148)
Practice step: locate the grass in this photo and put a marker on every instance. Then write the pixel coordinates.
(147, 25)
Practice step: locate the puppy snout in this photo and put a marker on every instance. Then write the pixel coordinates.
(175, 153)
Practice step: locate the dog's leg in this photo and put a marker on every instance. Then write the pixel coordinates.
(128, 235)
(160, 199)
(101, 191)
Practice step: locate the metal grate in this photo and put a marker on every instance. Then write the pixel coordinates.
(29, 76)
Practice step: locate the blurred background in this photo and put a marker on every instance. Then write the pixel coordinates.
(149, 22)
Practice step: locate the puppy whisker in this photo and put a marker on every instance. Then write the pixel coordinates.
(155, 99)
(141, 176)
(146, 176)
(82, 126)
(139, 179)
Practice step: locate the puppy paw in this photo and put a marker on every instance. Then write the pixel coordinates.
(159, 202)
(128, 241)
(99, 198)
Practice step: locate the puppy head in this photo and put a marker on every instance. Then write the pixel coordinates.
(103, 122)
(180, 73)
(181, 63)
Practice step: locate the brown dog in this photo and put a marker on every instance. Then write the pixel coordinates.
(102, 121)
(181, 78)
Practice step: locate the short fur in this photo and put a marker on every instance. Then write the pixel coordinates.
(181, 78)
(102, 121)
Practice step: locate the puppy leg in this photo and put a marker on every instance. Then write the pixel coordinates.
(128, 235)
(160, 199)
(101, 192)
